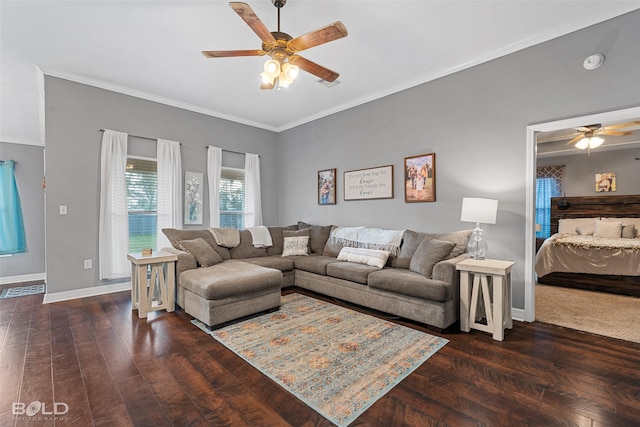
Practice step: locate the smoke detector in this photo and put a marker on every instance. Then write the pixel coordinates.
(592, 62)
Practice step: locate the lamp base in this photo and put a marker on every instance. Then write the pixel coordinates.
(477, 246)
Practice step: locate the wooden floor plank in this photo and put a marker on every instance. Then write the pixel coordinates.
(113, 368)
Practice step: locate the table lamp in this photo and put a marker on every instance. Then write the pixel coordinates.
(478, 211)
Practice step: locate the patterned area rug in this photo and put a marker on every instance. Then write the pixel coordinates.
(336, 360)
(20, 291)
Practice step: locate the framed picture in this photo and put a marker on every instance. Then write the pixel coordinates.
(372, 183)
(605, 182)
(327, 187)
(420, 178)
(193, 198)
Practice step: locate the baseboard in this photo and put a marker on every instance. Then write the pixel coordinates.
(517, 314)
(9, 280)
(86, 292)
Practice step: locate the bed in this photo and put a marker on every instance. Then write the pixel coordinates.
(577, 255)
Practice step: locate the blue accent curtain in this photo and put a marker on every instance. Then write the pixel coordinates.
(12, 237)
(546, 188)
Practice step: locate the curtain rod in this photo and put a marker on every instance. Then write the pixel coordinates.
(138, 136)
(15, 162)
(228, 151)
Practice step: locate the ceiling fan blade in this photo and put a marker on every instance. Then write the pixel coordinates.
(614, 132)
(313, 68)
(576, 139)
(252, 20)
(557, 138)
(621, 125)
(232, 53)
(268, 85)
(320, 36)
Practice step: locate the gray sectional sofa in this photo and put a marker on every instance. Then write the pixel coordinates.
(217, 285)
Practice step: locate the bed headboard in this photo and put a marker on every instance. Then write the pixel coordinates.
(594, 206)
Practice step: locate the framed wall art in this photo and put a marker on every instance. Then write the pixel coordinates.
(372, 183)
(327, 187)
(193, 198)
(605, 182)
(420, 178)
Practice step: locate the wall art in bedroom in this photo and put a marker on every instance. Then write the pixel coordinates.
(605, 182)
(193, 198)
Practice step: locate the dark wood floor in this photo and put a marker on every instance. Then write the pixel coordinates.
(113, 369)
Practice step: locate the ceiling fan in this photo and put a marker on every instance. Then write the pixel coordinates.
(285, 63)
(589, 136)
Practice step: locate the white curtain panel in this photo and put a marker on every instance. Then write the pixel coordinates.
(169, 189)
(214, 166)
(113, 233)
(252, 197)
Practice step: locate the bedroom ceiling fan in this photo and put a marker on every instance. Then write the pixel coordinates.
(285, 63)
(589, 136)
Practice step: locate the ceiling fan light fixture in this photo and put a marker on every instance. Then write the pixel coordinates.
(266, 79)
(272, 68)
(595, 142)
(290, 70)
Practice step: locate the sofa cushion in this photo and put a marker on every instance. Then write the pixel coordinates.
(460, 238)
(405, 282)
(429, 253)
(246, 249)
(410, 242)
(204, 254)
(350, 271)
(175, 235)
(229, 278)
(318, 236)
(295, 242)
(273, 261)
(277, 239)
(314, 264)
(372, 257)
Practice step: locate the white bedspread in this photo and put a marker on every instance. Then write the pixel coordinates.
(588, 254)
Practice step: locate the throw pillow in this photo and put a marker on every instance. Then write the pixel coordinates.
(202, 251)
(608, 230)
(429, 253)
(298, 245)
(372, 257)
(587, 230)
(629, 231)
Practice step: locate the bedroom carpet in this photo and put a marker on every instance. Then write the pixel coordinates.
(615, 316)
(336, 360)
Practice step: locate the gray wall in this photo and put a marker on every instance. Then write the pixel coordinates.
(580, 170)
(74, 114)
(475, 121)
(29, 172)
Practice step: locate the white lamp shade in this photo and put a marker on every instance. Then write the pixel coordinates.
(479, 210)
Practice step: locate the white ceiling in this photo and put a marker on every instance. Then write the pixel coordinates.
(152, 49)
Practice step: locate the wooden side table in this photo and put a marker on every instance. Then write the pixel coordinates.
(482, 273)
(159, 293)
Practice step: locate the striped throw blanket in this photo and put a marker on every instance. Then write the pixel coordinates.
(368, 238)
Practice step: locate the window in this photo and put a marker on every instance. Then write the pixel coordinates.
(548, 185)
(232, 198)
(142, 194)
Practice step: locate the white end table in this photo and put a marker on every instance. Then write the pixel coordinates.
(482, 273)
(159, 292)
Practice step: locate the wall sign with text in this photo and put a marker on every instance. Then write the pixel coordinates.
(372, 183)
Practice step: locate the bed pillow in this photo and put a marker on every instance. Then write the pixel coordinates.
(627, 221)
(608, 229)
(429, 253)
(570, 225)
(295, 242)
(202, 251)
(372, 257)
